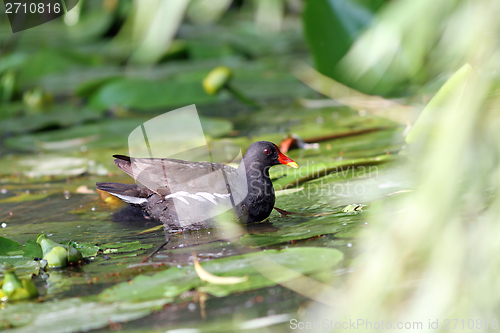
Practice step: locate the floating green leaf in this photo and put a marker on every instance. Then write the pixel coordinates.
(74, 313)
(149, 94)
(7, 245)
(293, 178)
(124, 247)
(316, 226)
(50, 61)
(32, 249)
(174, 281)
(23, 197)
(57, 116)
(86, 249)
(25, 267)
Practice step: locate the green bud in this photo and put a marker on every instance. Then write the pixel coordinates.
(11, 282)
(57, 257)
(71, 254)
(29, 285)
(74, 256)
(217, 79)
(46, 243)
(19, 294)
(36, 99)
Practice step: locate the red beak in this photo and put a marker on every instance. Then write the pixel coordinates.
(286, 160)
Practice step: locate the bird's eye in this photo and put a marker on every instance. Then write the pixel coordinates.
(267, 151)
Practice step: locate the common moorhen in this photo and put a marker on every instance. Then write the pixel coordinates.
(189, 195)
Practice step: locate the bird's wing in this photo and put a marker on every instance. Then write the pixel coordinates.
(165, 176)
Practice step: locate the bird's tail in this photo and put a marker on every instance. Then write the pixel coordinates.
(127, 192)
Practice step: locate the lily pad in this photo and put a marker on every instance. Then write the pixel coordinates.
(32, 249)
(25, 267)
(7, 245)
(299, 176)
(316, 226)
(86, 249)
(105, 134)
(25, 197)
(58, 116)
(174, 281)
(49, 61)
(124, 247)
(149, 94)
(72, 315)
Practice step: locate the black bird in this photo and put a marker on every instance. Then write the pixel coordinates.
(189, 195)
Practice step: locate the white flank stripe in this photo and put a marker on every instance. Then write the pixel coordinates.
(199, 196)
(176, 194)
(179, 196)
(196, 197)
(210, 197)
(129, 199)
(183, 200)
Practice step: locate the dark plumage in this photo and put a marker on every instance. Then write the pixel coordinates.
(188, 195)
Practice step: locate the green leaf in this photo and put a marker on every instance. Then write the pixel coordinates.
(124, 247)
(50, 61)
(72, 315)
(59, 116)
(25, 267)
(175, 281)
(331, 27)
(149, 94)
(14, 60)
(88, 88)
(90, 26)
(23, 197)
(32, 249)
(7, 245)
(315, 227)
(86, 249)
(105, 134)
(263, 268)
(291, 178)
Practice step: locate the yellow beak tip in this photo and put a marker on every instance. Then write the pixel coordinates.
(293, 165)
